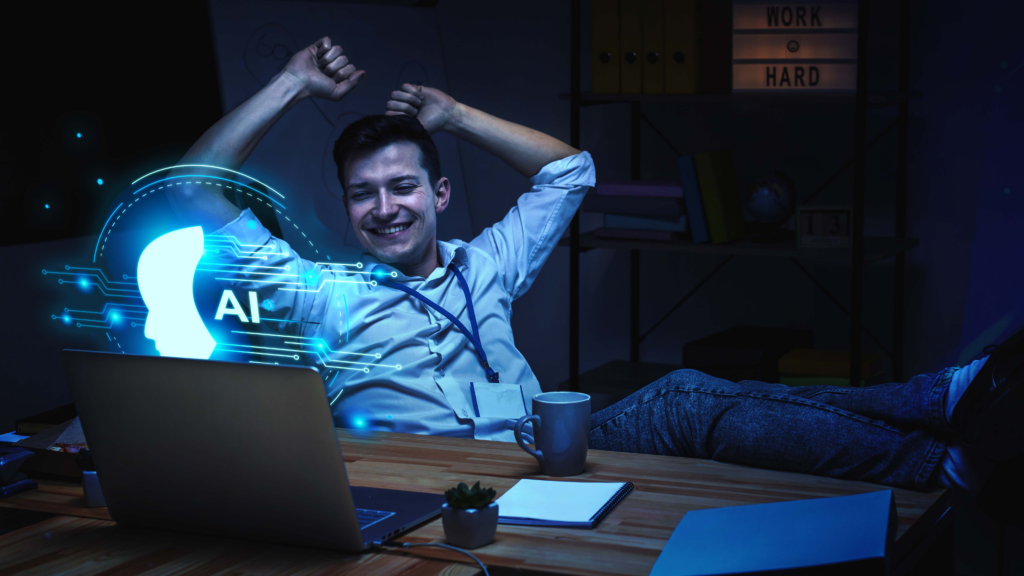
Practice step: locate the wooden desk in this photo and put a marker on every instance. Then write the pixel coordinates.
(628, 541)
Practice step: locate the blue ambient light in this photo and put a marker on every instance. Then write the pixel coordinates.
(78, 135)
(47, 206)
(166, 268)
(99, 181)
(359, 423)
(251, 224)
(268, 305)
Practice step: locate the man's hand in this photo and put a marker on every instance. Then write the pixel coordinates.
(323, 71)
(433, 108)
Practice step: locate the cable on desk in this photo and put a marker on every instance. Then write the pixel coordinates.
(405, 545)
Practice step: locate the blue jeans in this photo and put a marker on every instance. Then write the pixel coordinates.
(890, 434)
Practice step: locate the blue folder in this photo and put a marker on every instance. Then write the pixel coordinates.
(848, 534)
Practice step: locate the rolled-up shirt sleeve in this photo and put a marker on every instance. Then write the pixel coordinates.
(244, 256)
(522, 241)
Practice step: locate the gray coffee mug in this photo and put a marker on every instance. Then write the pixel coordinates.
(561, 430)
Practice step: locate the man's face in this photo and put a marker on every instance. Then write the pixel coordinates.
(392, 203)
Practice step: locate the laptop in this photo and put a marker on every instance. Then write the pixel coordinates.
(228, 449)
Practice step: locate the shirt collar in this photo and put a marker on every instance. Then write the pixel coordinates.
(446, 250)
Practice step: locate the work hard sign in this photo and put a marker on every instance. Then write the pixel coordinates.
(794, 47)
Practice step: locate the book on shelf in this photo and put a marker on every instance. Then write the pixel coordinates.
(639, 188)
(669, 229)
(634, 205)
(694, 204)
(622, 222)
(717, 179)
(655, 235)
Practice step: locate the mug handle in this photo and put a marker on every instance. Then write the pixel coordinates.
(536, 430)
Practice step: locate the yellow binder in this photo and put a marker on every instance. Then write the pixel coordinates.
(604, 46)
(631, 45)
(681, 46)
(654, 46)
(717, 179)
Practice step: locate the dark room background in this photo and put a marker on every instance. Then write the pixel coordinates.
(140, 89)
(139, 83)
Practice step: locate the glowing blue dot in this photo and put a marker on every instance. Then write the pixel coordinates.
(251, 224)
(47, 206)
(115, 316)
(83, 283)
(67, 318)
(389, 416)
(78, 134)
(268, 304)
(359, 423)
(99, 181)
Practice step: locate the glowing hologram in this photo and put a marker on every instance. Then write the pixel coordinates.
(165, 276)
(208, 166)
(102, 229)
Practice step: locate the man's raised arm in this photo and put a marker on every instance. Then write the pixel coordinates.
(319, 70)
(525, 149)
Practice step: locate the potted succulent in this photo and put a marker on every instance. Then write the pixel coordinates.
(470, 517)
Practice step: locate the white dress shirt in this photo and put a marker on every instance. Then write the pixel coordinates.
(389, 361)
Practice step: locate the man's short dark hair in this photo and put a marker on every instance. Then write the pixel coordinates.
(371, 133)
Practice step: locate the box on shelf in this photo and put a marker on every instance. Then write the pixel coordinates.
(802, 365)
(745, 352)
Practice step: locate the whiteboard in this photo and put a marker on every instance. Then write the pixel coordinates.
(394, 44)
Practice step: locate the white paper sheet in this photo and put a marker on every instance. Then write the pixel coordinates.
(548, 501)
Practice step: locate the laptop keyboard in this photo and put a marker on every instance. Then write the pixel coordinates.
(368, 518)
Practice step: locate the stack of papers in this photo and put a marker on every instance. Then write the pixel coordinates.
(552, 503)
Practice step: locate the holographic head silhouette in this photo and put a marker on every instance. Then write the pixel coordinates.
(165, 273)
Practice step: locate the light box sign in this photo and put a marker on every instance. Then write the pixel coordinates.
(794, 47)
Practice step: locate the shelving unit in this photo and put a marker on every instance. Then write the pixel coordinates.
(863, 251)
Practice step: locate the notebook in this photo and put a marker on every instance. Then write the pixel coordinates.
(567, 504)
(844, 535)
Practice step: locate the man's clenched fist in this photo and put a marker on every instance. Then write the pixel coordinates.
(433, 108)
(323, 70)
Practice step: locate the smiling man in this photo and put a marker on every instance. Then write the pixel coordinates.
(416, 336)
(392, 358)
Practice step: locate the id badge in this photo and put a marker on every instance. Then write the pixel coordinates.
(498, 400)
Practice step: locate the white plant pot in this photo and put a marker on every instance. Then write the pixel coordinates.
(470, 528)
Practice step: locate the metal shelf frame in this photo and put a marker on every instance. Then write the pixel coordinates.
(862, 100)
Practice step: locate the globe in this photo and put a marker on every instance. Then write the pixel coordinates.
(770, 200)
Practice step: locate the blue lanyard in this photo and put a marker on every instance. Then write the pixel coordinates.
(474, 336)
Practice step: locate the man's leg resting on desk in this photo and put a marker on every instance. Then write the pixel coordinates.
(920, 434)
(689, 413)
